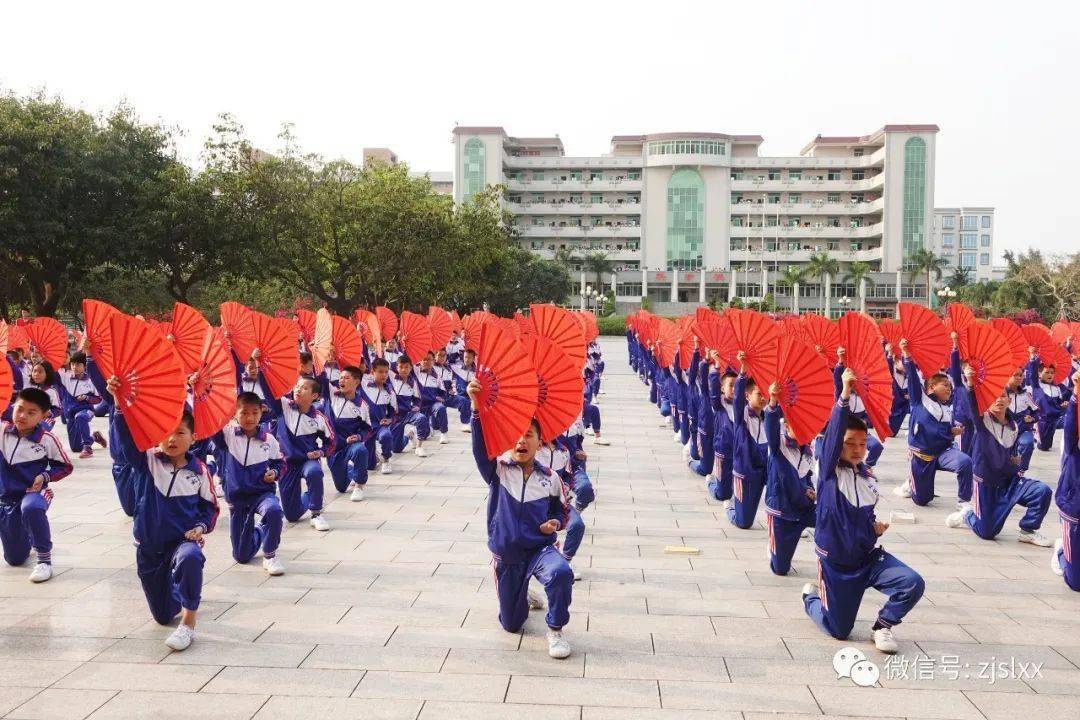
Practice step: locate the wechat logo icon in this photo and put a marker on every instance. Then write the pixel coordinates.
(851, 662)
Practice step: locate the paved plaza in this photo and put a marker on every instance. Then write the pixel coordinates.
(392, 613)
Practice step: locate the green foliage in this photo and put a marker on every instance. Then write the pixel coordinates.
(612, 325)
(961, 276)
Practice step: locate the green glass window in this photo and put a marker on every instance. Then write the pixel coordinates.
(914, 195)
(474, 170)
(685, 219)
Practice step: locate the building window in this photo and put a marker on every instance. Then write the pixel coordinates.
(596, 198)
(774, 198)
(833, 198)
(537, 175)
(986, 221)
(948, 222)
(685, 219)
(858, 174)
(984, 259)
(794, 174)
(473, 162)
(948, 239)
(984, 240)
(687, 147)
(914, 195)
(968, 241)
(858, 152)
(967, 260)
(908, 292)
(835, 175)
(633, 289)
(969, 222)
(745, 290)
(793, 198)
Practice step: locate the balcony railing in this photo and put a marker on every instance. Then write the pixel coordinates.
(573, 163)
(819, 207)
(757, 184)
(582, 185)
(567, 208)
(814, 231)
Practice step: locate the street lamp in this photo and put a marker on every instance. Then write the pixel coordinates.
(946, 294)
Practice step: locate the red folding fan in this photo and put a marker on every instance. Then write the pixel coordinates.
(525, 325)
(892, 332)
(335, 333)
(686, 347)
(456, 320)
(441, 326)
(414, 335)
(959, 318)
(509, 326)
(509, 389)
(3, 337)
(560, 327)
(279, 357)
(592, 327)
(928, 342)
(49, 338)
(1048, 351)
(666, 343)
(305, 323)
(213, 389)
(153, 386)
(367, 323)
(388, 321)
(991, 359)
(791, 326)
(702, 313)
(821, 332)
(1074, 330)
(96, 316)
(806, 388)
(861, 341)
(559, 398)
(237, 321)
(755, 335)
(189, 332)
(7, 384)
(1061, 332)
(17, 338)
(715, 334)
(471, 325)
(1018, 344)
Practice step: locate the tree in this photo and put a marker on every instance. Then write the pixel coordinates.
(597, 263)
(979, 296)
(1049, 285)
(793, 277)
(925, 261)
(517, 279)
(822, 266)
(961, 277)
(567, 257)
(858, 274)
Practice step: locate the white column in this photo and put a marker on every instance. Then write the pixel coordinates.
(732, 282)
(862, 294)
(674, 286)
(701, 286)
(828, 289)
(795, 298)
(764, 282)
(644, 282)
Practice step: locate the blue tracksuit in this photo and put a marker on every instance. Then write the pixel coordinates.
(558, 457)
(751, 459)
(257, 385)
(242, 464)
(706, 424)
(516, 508)
(349, 417)
(849, 559)
(788, 509)
(998, 485)
(1051, 400)
(382, 405)
(721, 484)
(460, 398)
(121, 471)
(1024, 410)
(901, 403)
(78, 396)
(169, 502)
(23, 522)
(433, 397)
(873, 445)
(1068, 500)
(410, 412)
(300, 433)
(930, 442)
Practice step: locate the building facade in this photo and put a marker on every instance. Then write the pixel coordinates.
(964, 236)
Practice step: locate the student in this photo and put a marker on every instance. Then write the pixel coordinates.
(846, 535)
(556, 456)
(1023, 409)
(998, 485)
(123, 479)
(873, 445)
(78, 396)
(590, 415)
(249, 464)
(789, 490)
(382, 406)
(175, 508)
(706, 422)
(931, 434)
(249, 379)
(412, 427)
(901, 402)
(721, 483)
(433, 396)
(351, 419)
(1063, 561)
(305, 437)
(526, 508)
(391, 352)
(30, 459)
(1052, 399)
(20, 369)
(751, 459)
(455, 349)
(463, 375)
(43, 378)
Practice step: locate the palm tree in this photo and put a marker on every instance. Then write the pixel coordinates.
(960, 277)
(566, 257)
(597, 262)
(824, 267)
(925, 261)
(792, 277)
(858, 274)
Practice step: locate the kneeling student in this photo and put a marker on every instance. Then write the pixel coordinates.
(849, 559)
(305, 437)
(1062, 560)
(175, 506)
(789, 490)
(526, 508)
(30, 459)
(249, 464)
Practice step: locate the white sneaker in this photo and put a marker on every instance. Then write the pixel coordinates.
(273, 566)
(588, 431)
(319, 523)
(574, 569)
(536, 600)
(466, 429)
(677, 437)
(885, 641)
(602, 441)
(443, 440)
(663, 422)
(558, 648)
(686, 452)
(964, 506)
(41, 573)
(903, 490)
(809, 589)
(1055, 560)
(385, 468)
(806, 534)
(420, 451)
(727, 504)
(1034, 537)
(957, 519)
(181, 637)
(357, 493)
(668, 421)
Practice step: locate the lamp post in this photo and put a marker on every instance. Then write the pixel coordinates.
(946, 295)
(845, 303)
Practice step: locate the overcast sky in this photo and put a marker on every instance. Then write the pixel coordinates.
(1001, 83)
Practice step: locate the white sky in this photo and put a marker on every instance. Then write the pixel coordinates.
(1001, 82)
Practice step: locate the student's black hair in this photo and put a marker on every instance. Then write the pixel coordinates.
(535, 423)
(380, 362)
(313, 385)
(50, 374)
(78, 357)
(750, 384)
(430, 354)
(854, 422)
(248, 398)
(36, 396)
(188, 420)
(404, 359)
(729, 374)
(1049, 366)
(353, 370)
(305, 357)
(936, 378)
(469, 350)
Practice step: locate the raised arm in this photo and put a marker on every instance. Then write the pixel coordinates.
(772, 429)
(487, 467)
(739, 401)
(956, 371)
(915, 391)
(833, 442)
